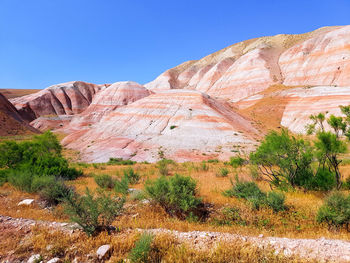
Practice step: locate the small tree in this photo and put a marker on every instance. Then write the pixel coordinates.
(329, 144)
(283, 158)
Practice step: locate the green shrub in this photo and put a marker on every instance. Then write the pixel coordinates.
(335, 211)
(177, 195)
(324, 180)
(40, 182)
(132, 176)
(137, 195)
(140, 253)
(40, 157)
(55, 192)
(93, 214)
(249, 191)
(120, 161)
(236, 161)
(204, 166)
(104, 181)
(213, 161)
(163, 167)
(284, 158)
(3, 177)
(122, 185)
(276, 201)
(223, 172)
(21, 180)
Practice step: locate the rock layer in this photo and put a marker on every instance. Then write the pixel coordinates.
(182, 124)
(117, 95)
(62, 99)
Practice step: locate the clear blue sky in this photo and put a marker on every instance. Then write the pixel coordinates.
(44, 42)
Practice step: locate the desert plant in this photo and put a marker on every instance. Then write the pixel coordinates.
(249, 191)
(213, 161)
(120, 161)
(104, 181)
(335, 211)
(177, 195)
(204, 166)
(163, 166)
(236, 161)
(122, 186)
(323, 180)
(3, 177)
(275, 200)
(283, 158)
(132, 176)
(223, 172)
(142, 248)
(55, 192)
(93, 214)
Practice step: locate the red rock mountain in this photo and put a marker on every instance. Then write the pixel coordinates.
(215, 106)
(11, 123)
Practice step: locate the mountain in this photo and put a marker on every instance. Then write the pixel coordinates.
(11, 123)
(214, 107)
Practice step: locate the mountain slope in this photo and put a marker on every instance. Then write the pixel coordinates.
(11, 123)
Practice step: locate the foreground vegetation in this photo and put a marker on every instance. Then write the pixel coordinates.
(290, 186)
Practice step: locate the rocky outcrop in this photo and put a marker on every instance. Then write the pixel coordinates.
(302, 102)
(11, 122)
(321, 60)
(117, 95)
(62, 99)
(238, 71)
(182, 124)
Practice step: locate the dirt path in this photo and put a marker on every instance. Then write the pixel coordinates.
(320, 249)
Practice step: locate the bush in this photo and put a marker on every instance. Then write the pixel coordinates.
(323, 180)
(104, 181)
(120, 161)
(276, 200)
(204, 166)
(40, 182)
(21, 180)
(335, 211)
(236, 161)
(93, 214)
(39, 157)
(55, 192)
(177, 195)
(140, 253)
(3, 177)
(122, 185)
(132, 176)
(163, 166)
(213, 161)
(249, 191)
(223, 172)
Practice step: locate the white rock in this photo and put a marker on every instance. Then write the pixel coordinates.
(102, 251)
(261, 236)
(33, 258)
(53, 260)
(26, 202)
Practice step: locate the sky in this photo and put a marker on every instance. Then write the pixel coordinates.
(46, 42)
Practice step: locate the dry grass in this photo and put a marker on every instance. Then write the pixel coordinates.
(297, 222)
(164, 248)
